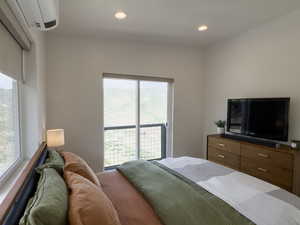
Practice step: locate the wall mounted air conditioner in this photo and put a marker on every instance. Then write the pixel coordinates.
(42, 14)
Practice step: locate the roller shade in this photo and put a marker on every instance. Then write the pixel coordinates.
(10, 17)
(10, 55)
(138, 77)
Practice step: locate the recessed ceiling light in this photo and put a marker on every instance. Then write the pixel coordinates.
(202, 28)
(120, 15)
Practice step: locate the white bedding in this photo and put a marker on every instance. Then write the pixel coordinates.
(259, 201)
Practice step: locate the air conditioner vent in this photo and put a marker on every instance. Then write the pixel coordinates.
(50, 24)
(42, 14)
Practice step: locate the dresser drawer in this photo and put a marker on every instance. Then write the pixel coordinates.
(267, 157)
(224, 158)
(224, 144)
(275, 175)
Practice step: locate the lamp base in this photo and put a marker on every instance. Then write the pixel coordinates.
(58, 149)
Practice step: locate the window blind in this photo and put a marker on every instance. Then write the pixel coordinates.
(10, 55)
(15, 23)
(138, 77)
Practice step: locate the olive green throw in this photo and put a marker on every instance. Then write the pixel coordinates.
(178, 201)
(49, 205)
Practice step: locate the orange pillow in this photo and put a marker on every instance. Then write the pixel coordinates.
(77, 165)
(88, 204)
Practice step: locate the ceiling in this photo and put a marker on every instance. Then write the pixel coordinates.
(173, 21)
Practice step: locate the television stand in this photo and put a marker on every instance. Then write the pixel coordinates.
(271, 144)
(279, 166)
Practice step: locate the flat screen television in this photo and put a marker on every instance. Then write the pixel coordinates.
(266, 118)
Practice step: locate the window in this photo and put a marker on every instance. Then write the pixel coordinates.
(9, 124)
(137, 119)
(10, 75)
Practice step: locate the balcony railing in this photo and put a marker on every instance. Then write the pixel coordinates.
(121, 143)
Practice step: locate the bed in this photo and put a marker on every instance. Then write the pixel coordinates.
(181, 191)
(241, 198)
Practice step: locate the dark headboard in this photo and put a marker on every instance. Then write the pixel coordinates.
(14, 204)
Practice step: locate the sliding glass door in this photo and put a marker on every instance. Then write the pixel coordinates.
(120, 103)
(136, 120)
(153, 119)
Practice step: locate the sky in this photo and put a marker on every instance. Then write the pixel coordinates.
(120, 102)
(5, 82)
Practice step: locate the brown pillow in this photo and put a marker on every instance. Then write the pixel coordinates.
(77, 165)
(88, 204)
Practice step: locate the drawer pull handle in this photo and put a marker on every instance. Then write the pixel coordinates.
(221, 156)
(263, 155)
(262, 170)
(221, 145)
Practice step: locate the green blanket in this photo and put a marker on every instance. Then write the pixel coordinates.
(176, 200)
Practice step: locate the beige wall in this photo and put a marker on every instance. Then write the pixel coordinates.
(264, 62)
(74, 89)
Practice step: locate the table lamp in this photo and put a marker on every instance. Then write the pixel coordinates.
(56, 139)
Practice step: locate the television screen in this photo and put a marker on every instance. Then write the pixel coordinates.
(265, 118)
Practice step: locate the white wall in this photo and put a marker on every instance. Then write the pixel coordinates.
(263, 62)
(74, 89)
(33, 96)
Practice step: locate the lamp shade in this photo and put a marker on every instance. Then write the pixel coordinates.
(55, 138)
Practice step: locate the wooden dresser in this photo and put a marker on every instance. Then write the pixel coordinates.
(279, 166)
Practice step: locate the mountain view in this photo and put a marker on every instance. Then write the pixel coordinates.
(7, 123)
(120, 116)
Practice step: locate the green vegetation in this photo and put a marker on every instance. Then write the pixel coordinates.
(7, 134)
(120, 110)
(220, 123)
